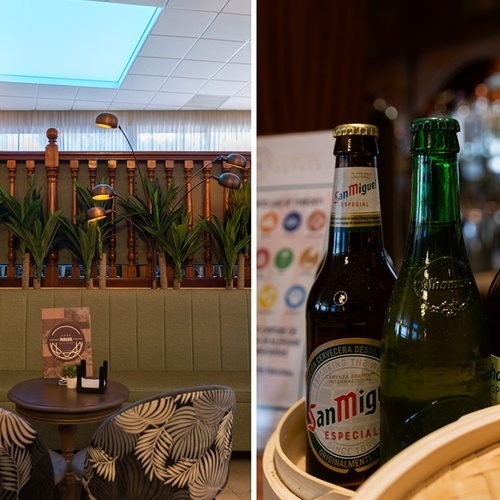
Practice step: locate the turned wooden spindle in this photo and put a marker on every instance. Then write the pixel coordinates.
(52, 174)
(112, 269)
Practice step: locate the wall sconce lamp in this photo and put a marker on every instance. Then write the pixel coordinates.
(233, 159)
(110, 121)
(227, 180)
(97, 213)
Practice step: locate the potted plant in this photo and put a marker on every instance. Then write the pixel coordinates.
(153, 217)
(81, 240)
(35, 229)
(229, 240)
(180, 243)
(22, 215)
(241, 199)
(69, 371)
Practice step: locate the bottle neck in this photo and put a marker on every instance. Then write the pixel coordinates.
(356, 222)
(435, 189)
(435, 224)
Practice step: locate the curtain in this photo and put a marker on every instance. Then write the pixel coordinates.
(146, 131)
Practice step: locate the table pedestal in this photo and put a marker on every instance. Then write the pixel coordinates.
(43, 400)
(67, 435)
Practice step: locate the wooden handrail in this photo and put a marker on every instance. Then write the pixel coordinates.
(57, 171)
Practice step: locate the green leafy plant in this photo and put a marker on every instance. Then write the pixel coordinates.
(154, 216)
(180, 243)
(240, 199)
(228, 239)
(82, 238)
(69, 370)
(35, 229)
(22, 214)
(81, 241)
(38, 240)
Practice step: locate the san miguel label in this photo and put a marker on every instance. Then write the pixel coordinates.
(356, 200)
(343, 404)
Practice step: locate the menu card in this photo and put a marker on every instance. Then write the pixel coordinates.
(66, 339)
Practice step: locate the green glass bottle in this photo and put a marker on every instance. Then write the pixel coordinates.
(344, 317)
(436, 340)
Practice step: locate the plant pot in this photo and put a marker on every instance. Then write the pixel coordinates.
(71, 382)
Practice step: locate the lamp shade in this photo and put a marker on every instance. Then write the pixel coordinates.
(106, 120)
(229, 180)
(102, 192)
(235, 160)
(95, 214)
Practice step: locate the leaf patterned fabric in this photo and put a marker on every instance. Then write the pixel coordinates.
(175, 446)
(25, 464)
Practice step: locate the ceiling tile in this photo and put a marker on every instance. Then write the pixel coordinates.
(190, 85)
(229, 27)
(167, 46)
(57, 91)
(170, 99)
(185, 23)
(197, 57)
(208, 5)
(234, 72)
(234, 103)
(238, 7)
(99, 95)
(142, 82)
(206, 101)
(133, 96)
(221, 88)
(197, 69)
(155, 66)
(213, 50)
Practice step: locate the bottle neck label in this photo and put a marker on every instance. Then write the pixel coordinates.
(343, 404)
(444, 286)
(356, 199)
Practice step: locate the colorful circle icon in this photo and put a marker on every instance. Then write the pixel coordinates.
(263, 258)
(295, 296)
(292, 221)
(316, 220)
(283, 258)
(267, 296)
(309, 258)
(269, 222)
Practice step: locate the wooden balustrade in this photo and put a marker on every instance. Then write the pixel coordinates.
(128, 256)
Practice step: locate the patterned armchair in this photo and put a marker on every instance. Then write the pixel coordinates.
(175, 445)
(28, 469)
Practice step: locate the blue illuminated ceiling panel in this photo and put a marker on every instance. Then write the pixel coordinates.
(71, 42)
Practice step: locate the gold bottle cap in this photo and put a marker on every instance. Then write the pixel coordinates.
(355, 129)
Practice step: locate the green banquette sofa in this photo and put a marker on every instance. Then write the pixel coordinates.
(153, 340)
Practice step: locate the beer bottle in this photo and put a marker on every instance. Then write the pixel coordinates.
(344, 316)
(493, 312)
(436, 340)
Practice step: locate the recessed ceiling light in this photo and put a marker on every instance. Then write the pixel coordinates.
(71, 42)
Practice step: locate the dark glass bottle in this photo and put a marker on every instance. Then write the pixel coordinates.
(493, 312)
(436, 340)
(344, 316)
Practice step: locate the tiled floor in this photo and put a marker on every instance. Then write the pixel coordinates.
(239, 483)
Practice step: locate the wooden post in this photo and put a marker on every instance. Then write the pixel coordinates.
(11, 253)
(131, 269)
(74, 166)
(52, 172)
(207, 213)
(112, 271)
